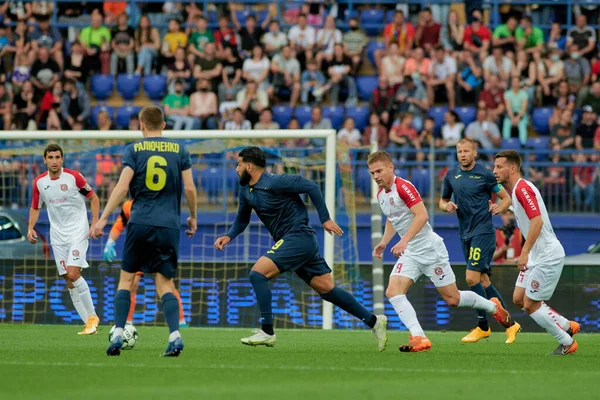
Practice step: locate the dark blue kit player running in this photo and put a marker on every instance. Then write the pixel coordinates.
(467, 192)
(276, 200)
(154, 170)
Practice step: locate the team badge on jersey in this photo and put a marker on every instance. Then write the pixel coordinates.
(392, 202)
(535, 286)
(64, 187)
(75, 253)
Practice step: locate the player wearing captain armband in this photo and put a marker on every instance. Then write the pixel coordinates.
(420, 252)
(110, 254)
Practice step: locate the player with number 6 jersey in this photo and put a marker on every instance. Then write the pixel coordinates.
(420, 252)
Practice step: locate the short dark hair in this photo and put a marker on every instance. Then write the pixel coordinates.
(254, 155)
(527, 18)
(152, 117)
(511, 156)
(53, 147)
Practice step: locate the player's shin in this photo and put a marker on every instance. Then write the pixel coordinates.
(78, 304)
(473, 300)
(181, 314)
(131, 308)
(407, 315)
(547, 322)
(559, 319)
(83, 290)
(260, 283)
(479, 290)
(171, 310)
(491, 292)
(122, 304)
(348, 303)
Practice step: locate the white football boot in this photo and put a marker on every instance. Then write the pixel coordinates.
(260, 338)
(380, 332)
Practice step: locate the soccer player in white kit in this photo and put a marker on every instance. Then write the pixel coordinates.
(542, 258)
(420, 252)
(63, 191)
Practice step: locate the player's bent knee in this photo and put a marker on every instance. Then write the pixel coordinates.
(452, 300)
(322, 284)
(392, 291)
(517, 301)
(73, 275)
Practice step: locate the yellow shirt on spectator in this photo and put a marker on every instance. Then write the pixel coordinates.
(176, 40)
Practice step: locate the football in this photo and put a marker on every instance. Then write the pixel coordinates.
(130, 336)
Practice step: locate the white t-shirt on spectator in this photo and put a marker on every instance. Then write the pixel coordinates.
(444, 69)
(302, 37)
(452, 134)
(352, 137)
(490, 65)
(275, 40)
(328, 40)
(256, 68)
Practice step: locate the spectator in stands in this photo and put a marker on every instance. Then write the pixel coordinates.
(43, 8)
(469, 79)
(427, 133)
(593, 97)
(179, 70)
(412, 99)
(442, 77)
(531, 38)
(427, 34)
(49, 38)
(112, 10)
(556, 39)
(21, 71)
(105, 122)
(25, 108)
(375, 132)
(173, 40)
(563, 100)
(392, 66)
(526, 70)
(404, 136)
(256, 68)
(326, 39)
(6, 117)
(198, 39)
(452, 130)
(15, 10)
(484, 131)
(355, 41)
(382, 101)
(417, 66)
(492, 98)
(74, 106)
(147, 45)
(550, 71)
(123, 46)
(231, 76)
(302, 39)
(44, 72)
(499, 65)
(317, 122)
(239, 122)
(250, 35)
(224, 37)
(339, 71)
(349, 135)
(505, 36)
(177, 107)
(274, 39)
(313, 83)
(252, 100)
(562, 134)
(22, 40)
(477, 36)
(516, 102)
(96, 42)
(286, 75)
(49, 113)
(583, 188)
(452, 33)
(596, 141)
(577, 73)
(265, 120)
(203, 106)
(509, 240)
(398, 31)
(584, 135)
(209, 66)
(75, 67)
(583, 36)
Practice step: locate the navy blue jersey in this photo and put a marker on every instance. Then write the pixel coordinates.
(276, 200)
(472, 190)
(156, 185)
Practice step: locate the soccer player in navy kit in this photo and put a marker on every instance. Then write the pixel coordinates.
(276, 200)
(154, 169)
(472, 186)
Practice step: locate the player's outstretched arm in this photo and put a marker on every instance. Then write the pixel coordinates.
(189, 189)
(239, 225)
(34, 215)
(117, 195)
(388, 234)
(95, 208)
(420, 219)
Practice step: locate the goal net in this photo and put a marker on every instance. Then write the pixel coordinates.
(214, 286)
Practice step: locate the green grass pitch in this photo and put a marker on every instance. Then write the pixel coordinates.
(53, 362)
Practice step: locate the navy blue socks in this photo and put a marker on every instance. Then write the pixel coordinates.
(260, 283)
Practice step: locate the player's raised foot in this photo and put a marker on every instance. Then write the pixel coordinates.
(174, 348)
(563, 350)
(91, 328)
(380, 332)
(511, 333)
(114, 349)
(260, 338)
(574, 328)
(416, 344)
(501, 315)
(476, 335)
(183, 324)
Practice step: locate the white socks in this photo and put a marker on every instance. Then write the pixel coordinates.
(174, 335)
(470, 299)
(118, 332)
(543, 317)
(407, 315)
(83, 290)
(78, 304)
(558, 319)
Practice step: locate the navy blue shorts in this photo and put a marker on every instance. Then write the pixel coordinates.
(479, 251)
(299, 253)
(151, 249)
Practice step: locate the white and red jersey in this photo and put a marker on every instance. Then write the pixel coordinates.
(396, 204)
(528, 204)
(64, 199)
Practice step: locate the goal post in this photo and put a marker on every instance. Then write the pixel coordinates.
(246, 138)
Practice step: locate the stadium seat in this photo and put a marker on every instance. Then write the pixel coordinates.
(260, 16)
(371, 47)
(538, 142)
(437, 113)
(366, 85)
(124, 114)
(512, 143)
(420, 179)
(96, 110)
(371, 19)
(401, 173)
(360, 115)
(128, 85)
(212, 183)
(389, 16)
(335, 115)
(282, 115)
(211, 17)
(466, 114)
(350, 14)
(302, 114)
(539, 119)
(233, 181)
(155, 86)
(363, 181)
(102, 86)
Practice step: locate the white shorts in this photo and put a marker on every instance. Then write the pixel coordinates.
(70, 256)
(540, 281)
(433, 264)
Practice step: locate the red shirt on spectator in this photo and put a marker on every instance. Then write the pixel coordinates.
(399, 34)
(430, 35)
(225, 39)
(492, 99)
(597, 138)
(515, 243)
(586, 174)
(408, 132)
(483, 33)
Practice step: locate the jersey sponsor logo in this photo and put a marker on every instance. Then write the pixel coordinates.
(64, 187)
(474, 177)
(59, 200)
(528, 199)
(457, 176)
(392, 202)
(409, 192)
(75, 253)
